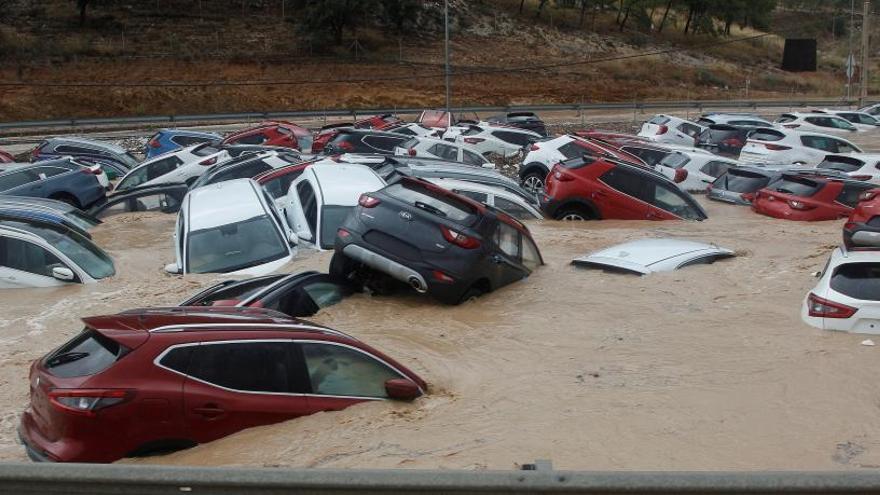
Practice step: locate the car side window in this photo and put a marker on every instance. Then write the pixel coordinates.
(245, 171)
(177, 359)
(46, 172)
(571, 150)
(244, 366)
(185, 141)
(342, 371)
(819, 143)
(279, 186)
(14, 180)
(516, 138)
(512, 208)
(689, 129)
(309, 205)
(626, 182)
(507, 240)
(715, 168)
(671, 199)
(472, 158)
(27, 257)
(164, 202)
(476, 196)
(384, 144)
(649, 156)
(76, 149)
(161, 167)
(844, 147)
(444, 151)
(531, 257)
(134, 179)
(849, 194)
(255, 138)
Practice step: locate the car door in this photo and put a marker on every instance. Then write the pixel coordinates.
(815, 149)
(669, 202)
(235, 385)
(444, 151)
(163, 199)
(506, 258)
(302, 296)
(302, 209)
(686, 133)
(625, 198)
(25, 264)
(341, 375)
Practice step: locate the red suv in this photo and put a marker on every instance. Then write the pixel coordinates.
(795, 197)
(595, 188)
(274, 133)
(153, 380)
(862, 229)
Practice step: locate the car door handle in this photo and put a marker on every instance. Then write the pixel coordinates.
(210, 411)
(497, 259)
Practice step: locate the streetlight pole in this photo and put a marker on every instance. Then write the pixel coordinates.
(863, 89)
(446, 23)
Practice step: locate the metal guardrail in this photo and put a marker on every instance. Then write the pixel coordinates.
(354, 113)
(148, 480)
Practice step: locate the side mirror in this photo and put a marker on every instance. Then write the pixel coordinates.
(402, 389)
(173, 269)
(817, 274)
(63, 273)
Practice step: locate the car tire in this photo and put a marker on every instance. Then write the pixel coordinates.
(574, 214)
(66, 198)
(343, 270)
(472, 293)
(533, 181)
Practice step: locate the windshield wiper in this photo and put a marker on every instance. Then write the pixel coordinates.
(67, 357)
(429, 208)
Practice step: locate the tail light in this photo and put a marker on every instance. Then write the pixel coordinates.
(473, 140)
(35, 152)
(680, 175)
(343, 234)
(824, 308)
(459, 239)
(442, 277)
(368, 201)
(749, 196)
(800, 205)
(93, 170)
(663, 129)
(345, 146)
(209, 161)
(561, 175)
(412, 152)
(860, 177)
(867, 195)
(849, 225)
(732, 142)
(534, 147)
(154, 143)
(776, 147)
(87, 401)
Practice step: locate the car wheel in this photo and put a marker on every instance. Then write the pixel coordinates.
(574, 214)
(533, 182)
(343, 270)
(471, 294)
(66, 198)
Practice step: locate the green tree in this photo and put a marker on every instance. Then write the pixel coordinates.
(323, 18)
(400, 14)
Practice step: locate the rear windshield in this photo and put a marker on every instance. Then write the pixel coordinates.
(796, 186)
(742, 181)
(858, 280)
(675, 160)
(86, 354)
(659, 120)
(433, 202)
(409, 143)
(205, 150)
(840, 163)
(766, 135)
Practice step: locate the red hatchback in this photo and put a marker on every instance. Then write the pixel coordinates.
(809, 199)
(595, 188)
(153, 380)
(274, 133)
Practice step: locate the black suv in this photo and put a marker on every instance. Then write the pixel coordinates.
(524, 120)
(434, 241)
(364, 141)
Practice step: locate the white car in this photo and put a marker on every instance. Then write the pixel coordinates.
(506, 201)
(859, 166)
(438, 148)
(646, 256)
(319, 200)
(863, 121)
(816, 122)
(183, 165)
(873, 109)
(787, 147)
(847, 296)
(495, 139)
(231, 227)
(671, 130)
(411, 129)
(735, 119)
(33, 254)
(702, 168)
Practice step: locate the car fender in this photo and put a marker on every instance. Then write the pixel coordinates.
(531, 167)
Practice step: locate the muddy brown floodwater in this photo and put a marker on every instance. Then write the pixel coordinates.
(705, 368)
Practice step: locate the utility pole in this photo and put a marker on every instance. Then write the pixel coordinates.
(863, 89)
(850, 60)
(446, 23)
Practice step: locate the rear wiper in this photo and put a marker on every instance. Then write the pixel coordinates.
(429, 208)
(67, 357)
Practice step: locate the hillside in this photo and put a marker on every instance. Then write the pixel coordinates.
(205, 42)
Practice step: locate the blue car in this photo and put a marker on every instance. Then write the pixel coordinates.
(49, 216)
(172, 139)
(62, 180)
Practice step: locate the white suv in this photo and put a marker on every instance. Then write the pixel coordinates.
(786, 147)
(846, 296)
(438, 148)
(816, 122)
(183, 165)
(859, 166)
(702, 168)
(671, 130)
(496, 139)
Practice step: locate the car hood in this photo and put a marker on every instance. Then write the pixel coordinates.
(650, 255)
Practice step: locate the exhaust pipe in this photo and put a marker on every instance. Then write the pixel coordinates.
(395, 270)
(416, 284)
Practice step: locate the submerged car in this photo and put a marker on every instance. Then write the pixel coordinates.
(183, 165)
(668, 129)
(433, 240)
(847, 296)
(508, 202)
(74, 215)
(739, 184)
(231, 227)
(246, 166)
(858, 166)
(58, 147)
(862, 228)
(296, 295)
(524, 120)
(166, 140)
(165, 198)
(431, 147)
(39, 253)
(694, 171)
(810, 199)
(646, 256)
(273, 133)
(63, 180)
(786, 146)
(160, 379)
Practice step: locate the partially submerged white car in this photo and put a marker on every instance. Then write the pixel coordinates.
(816, 122)
(847, 296)
(437, 148)
(496, 139)
(646, 256)
(859, 166)
(671, 130)
(231, 227)
(702, 169)
(789, 147)
(183, 165)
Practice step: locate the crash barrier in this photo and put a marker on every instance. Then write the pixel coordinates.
(137, 480)
(698, 105)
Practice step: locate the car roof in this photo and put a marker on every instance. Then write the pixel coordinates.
(35, 201)
(82, 140)
(30, 166)
(645, 255)
(343, 183)
(841, 256)
(187, 132)
(147, 319)
(223, 203)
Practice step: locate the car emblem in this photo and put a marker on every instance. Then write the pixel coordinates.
(405, 215)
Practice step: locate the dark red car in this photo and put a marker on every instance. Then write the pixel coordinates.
(377, 121)
(152, 380)
(273, 133)
(809, 199)
(595, 188)
(6, 157)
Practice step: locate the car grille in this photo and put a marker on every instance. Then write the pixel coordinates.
(393, 245)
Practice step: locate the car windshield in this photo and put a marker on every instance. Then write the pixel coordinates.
(130, 160)
(796, 186)
(675, 160)
(235, 246)
(842, 164)
(858, 280)
(89, 257)
(741, 181)
(332, 217)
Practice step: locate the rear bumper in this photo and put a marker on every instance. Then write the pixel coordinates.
(727, 197)
(32, 453)
(780, 209)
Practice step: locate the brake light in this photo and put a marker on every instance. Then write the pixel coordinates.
(861, 177)
(824, 308)
(343, 234)
(800, 205)
(663, 129)
(345, 145)
(412, 152)
(776, 147)
(867, 195)
(748, 196)
(87, 401)
(368, 201)
(442, 277)
(680, 175)
(534, 147)
(849, 225)
(732, 142)
(209, 161)
(473, 140)
(154, 143)
(459, 239)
